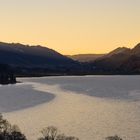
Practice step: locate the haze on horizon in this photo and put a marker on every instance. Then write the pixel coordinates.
(71, 26)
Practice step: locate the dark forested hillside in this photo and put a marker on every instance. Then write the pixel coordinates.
(120, 61)
(26, 60)
(36, 60)
(31, 56)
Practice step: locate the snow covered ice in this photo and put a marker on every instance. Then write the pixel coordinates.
(88, 107)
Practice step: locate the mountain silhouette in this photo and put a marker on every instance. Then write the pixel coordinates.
(25, 60)
(31, 56)
(121, 61)
(34, 60)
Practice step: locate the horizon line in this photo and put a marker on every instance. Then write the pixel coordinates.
(38, 45)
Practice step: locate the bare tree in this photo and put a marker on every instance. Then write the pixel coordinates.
(71, 138)
(9, 132)
(49, 133)
(61, 137)
(113, 138)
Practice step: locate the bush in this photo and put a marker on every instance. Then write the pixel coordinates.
(9, 132)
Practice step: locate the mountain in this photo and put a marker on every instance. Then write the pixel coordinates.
(35, 56)
(136, 50)
(25, 60)
(85, 57)
(132, 64)
(112, 60)
(93, 57)
(120, 50)
(31, 59)
(119, 61)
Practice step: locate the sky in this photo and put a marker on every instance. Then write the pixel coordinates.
(71, 26)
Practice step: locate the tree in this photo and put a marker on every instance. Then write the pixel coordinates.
(16, 133)
(9, 132)
(51, 133)
(71, 138)
(61, 137)
(113, 138)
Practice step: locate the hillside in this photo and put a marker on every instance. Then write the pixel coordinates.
(113, 59)
(85, 57)
(26, 60)
(120, 50)
(37, 56)
(132, 64)
(121, 60)
(35, 59)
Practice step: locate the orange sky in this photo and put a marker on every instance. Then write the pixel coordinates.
(71, 26)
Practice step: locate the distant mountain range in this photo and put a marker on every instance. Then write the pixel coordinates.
(28, 60)
(93, 57)
(85, 57)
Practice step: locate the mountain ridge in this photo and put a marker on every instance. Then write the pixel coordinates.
(125, 61)
(35, 59)
(39, 51)
(38, 60)
(85, 57)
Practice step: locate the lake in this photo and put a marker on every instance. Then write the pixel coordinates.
(89, 107)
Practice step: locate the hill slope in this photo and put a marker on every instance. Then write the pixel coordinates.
(132, 64)
(86, 57)
(38, 59)
(121, 60)
(37, 56)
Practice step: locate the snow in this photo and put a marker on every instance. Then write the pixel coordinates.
(90, 107)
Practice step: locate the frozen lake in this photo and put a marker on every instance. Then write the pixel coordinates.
(89, 107)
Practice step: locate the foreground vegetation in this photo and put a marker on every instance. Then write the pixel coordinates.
(12, 132)
(9, 132)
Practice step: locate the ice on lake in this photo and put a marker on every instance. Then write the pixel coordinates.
(89, 107)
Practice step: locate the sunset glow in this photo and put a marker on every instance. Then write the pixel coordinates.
(71, 26)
